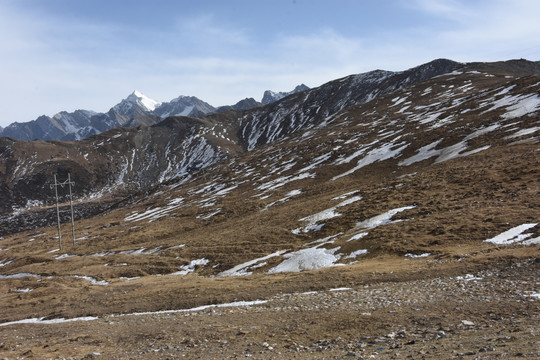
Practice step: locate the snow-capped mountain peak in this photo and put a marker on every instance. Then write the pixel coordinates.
(139, 98)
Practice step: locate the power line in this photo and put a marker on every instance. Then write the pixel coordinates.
(62, 184)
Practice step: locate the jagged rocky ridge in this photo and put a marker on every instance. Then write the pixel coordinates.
(131, 159)
(270, 96)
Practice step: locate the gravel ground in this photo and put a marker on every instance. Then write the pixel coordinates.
(487, 315)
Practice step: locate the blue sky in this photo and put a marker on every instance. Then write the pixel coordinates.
(89, 54)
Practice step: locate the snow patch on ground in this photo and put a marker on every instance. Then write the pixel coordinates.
(381, 153)
(91, 279)
(282, 181)
(156, 213)
(534, 241)
(413, 256)
(307, 259)
(199, 308)
(523, 132)
(423, 153)
(19, 275)
(141, 251)
(315, 162)
(398, 100)
(243, 269)
(451, 152)
(357, 236)
(513, 235)
(186, 269)
(22, 290)
(284, 199)
(382, 219)
(42, 321)
(523, 107)
(64, 256)
(356, 253)
(6, 262)
(209, 215)
(313, 220)
(517, 105)
(431, 117)
(344, 196)
(482, 131)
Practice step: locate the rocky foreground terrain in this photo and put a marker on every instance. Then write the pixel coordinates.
(402, 226)
(382, 314)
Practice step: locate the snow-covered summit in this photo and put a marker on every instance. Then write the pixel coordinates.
(137, 97)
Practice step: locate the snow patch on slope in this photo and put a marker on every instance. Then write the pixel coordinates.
(307, 259)
(313, 220)
(514, 235)
(243, 269)
(383, 219)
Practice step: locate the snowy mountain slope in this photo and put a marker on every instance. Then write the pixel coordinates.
(307, 108)
(138, 158)
(121, 160)
(437, 171)
(420, 172)
(183, 106)
(48, 128)
(136, 102)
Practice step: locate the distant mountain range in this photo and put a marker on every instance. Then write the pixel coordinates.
(137, 109)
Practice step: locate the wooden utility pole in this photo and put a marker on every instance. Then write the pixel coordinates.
(62, 184)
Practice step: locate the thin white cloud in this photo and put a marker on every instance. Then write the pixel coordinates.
(485, 30)
(49, 64)
(326, 47)
(451, 9)
(205, 30)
